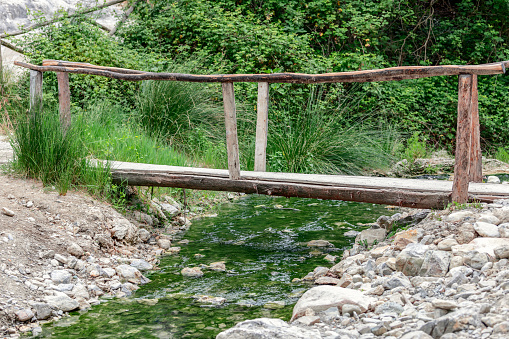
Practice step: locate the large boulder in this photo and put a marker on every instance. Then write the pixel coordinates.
(482, 245)
(267, 328)
(323, 297)
(62, 302)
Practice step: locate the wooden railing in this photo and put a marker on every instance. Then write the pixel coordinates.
(468, 165)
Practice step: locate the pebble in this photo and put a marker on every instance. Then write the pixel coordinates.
(7, 212)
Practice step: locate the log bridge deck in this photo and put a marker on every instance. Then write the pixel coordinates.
(466, 187)
(416, 193)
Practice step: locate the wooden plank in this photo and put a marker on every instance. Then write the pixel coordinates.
(463, 139)
(35, 91)
(57, 19)
(64, 100)
(232, 143)
(388, 74)
(262, 125)
(475, 170)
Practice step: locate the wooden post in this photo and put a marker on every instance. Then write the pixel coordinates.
(463, 139)
(475, 170)
(232, 143)
(64, 100)
(262, 125)
(35, 91)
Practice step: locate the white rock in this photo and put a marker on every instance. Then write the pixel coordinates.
(262, 328)
(141, 264)
(483, 245)
(486, 229)
(61, 277)
(323, 297)
(123, 229)
(489, 218)
(493, 180)
(458, 216)
(503, 229)
(446, 244)
(75, 249)
(62, 302)
(192, 272)
(129, 273)
(7, 212)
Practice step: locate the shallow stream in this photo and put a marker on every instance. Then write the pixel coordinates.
(262, 241)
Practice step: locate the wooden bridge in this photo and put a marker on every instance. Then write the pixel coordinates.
(467, 185)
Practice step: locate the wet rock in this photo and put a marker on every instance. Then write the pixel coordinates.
(262, 328)
(61, 277)
(194, 272)
(62, 302)
(218, 266)
(42, 310)
(75, 250)
(323, 297)
(371, 236)
(141, 264)
(319, 243)
(486, 230)
(24, 314)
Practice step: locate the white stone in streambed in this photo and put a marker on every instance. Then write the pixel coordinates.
(267, 328)
(194, 272)
(486, 229)
(323, 297)
(483, 245)
(24, 314)
(61, 277)
(129, 273)
(458, 216)
(141, 264)
(62, 302)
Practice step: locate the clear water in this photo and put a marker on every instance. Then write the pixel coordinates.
(262, 241)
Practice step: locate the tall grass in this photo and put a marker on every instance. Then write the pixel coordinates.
(319, 140)
(43, 151)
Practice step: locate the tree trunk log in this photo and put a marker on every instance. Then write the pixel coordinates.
(475, 171)
(64, 100)
(232, 143)
(260, 163)
(35, 92)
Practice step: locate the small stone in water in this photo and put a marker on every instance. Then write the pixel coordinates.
(274, 305)
(319, 243)
(192, 272)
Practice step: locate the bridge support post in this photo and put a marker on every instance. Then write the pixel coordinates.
(64, 100)
(464, 138)
(35, 91)
(232, 143)
(475, 168)
(262, 125)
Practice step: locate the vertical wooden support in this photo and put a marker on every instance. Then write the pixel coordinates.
(463, 139)
(232, 143)
(35, 91)
(262, 125)
(475, 167)
(64, 100)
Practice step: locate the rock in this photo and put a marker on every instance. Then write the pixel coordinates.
(350, 310)
(493, 180)
(330, 258)
(486, 230)
(207, 299)
(42, 311)
(492, 320)
(436, 264)
(488, 218)
(308, 320)
(104, 240)
(266, 328)
(346, 279)
(174, 250)
(482, 245)
(475, 259)
(403, 238)
(410, 260)
(323, 297)
(75, 249)
(389, 307)
(396, 280)
(370, 236)
(24, 314)
(502, 214)
(62, 302)
(129, 273)
(194, 272)
(169, 209)
(459, 216)
(379, 290)
(61, 277)
(379, 251)
(274, 305)
(466, 233)
(164, 244)
(327, 281)
(444, 304)
(447, 244)
(456, 321)
(7, 212)
(80, 291)
(416, 335)
(384, 222)
(351, 234)
(501, 252)
(141, 264)
(143, 234)
(502, 327)
(123, 229)
(319, 243)
(456, 261)
(218, 266)
(61, 259)
(109, 272)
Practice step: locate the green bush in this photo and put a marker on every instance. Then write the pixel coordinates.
(502, 155)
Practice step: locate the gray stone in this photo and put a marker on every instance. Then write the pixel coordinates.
(410, 260)
(396, 280)
(308, 320)
(502, 327)
(445, 304)
(164, 243)
(42, 310)
(351, 234)
(123, 229)
(416, 335)
(24, 314)
(502, 214)
(144, 235)
(475, 259)
(502, 252)
(194, 272)
(7, 212)
(80, 291)
(321, 298)
(350, 310)
(435, 264)
(62, 302)
(489, 218)
(446, 244)
(486, 229)
(61, 259)
(389, 307)
(141, 264)
(371, 236)
(492, 320)
(319, 243)
(129, 273)
(104, 240)
(75, 249)
(459, 216)
(61, 277)
(266, 328)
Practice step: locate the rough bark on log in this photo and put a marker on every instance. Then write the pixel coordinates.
(262, 121)
(232, 143)
(64, 100)
(388, 74)
(475, 170)
(35, 92)
(463, 139)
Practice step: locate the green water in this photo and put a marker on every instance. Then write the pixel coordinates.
(262, 241)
